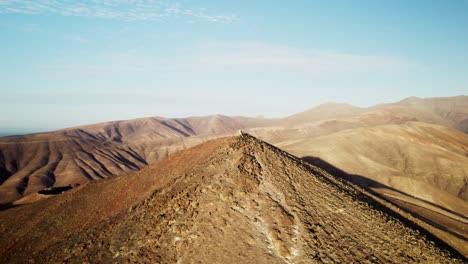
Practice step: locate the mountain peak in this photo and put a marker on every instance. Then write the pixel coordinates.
(411, 99)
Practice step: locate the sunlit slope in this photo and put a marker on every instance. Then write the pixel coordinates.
(430, 154)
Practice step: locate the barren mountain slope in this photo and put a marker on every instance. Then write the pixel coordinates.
(420, 167)
(376, 117)
(430, 154)
(72, 156)
(153, 128)
(231, 200)
(331, 118)
(449, 111)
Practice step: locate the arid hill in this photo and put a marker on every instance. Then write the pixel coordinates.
(447, 111)
(230, 200)
(73, 156)
(418, 151)
(422, 168)
(77, 155)
(154, 128)
(408, 152)
(419, 166)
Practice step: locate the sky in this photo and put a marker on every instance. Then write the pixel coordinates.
(65, 63)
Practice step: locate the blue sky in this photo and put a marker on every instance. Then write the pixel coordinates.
(66, 63)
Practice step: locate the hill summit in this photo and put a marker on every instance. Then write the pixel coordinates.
(229, 200)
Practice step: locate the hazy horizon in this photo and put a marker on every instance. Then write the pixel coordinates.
(24, 131)
(73, 63)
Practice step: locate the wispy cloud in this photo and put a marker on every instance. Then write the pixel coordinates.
(241, 57)
(304, 60)
(135, 10)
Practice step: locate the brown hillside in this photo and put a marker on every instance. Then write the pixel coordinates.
(73, 156)
(77, 155)
(430, 154)
(231, 200)
(420, 167)
(449, 111)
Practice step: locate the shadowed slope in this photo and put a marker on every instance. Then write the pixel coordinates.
(73, 156)
(31, 166)
(229, 200)
(153, 128)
